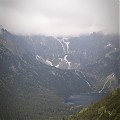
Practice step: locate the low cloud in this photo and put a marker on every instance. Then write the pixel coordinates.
(59, 17)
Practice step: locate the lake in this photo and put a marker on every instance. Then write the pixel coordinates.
(84, 99)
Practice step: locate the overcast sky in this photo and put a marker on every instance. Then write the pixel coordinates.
(59, 17)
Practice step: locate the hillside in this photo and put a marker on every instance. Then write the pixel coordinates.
(106, 109)
(30, 88)
(94, 55)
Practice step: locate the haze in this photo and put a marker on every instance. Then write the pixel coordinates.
(59, 17)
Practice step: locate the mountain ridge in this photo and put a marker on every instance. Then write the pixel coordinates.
(25, 73)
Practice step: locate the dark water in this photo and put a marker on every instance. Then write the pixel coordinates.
(84, 99)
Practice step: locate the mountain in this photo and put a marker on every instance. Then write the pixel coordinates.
(96, 56)
(64, 53)
(37, 73)
(106, 109)
(30, 89)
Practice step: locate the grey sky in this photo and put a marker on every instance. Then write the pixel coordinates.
(59, 17)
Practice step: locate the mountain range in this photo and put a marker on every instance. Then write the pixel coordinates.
(37, 73)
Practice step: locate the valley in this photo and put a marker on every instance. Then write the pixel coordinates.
(51, 78)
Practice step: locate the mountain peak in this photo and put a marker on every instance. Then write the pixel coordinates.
(1, 27)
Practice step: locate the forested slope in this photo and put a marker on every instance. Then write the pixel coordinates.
(106, 109)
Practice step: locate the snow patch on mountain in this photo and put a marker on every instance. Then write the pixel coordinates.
(67, 62)
(59, 40)
(66, 43)
(57, 66)
(83, 79)
(108, 80)
(49, 62)
(108, 45)
(40, 59)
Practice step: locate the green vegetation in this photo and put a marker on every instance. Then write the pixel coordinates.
(37, 104)
(106, 109)
(30, 90)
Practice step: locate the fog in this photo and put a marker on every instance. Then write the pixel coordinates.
(59, 17)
